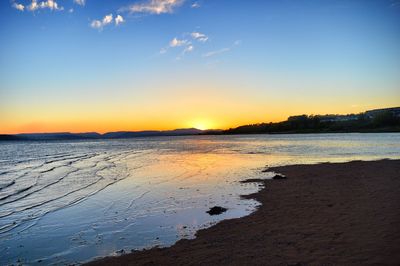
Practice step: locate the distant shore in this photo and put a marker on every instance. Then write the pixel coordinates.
(324, 214)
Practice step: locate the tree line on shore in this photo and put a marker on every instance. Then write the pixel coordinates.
(382, 122)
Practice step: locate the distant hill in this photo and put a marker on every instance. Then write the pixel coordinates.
(58, 136)
(94, 135)
(9, 137)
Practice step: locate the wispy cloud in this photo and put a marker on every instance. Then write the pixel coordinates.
(188, 49)
(175, 42)
(187, 43)
(195, 5)
(154, 6)
(222, 50)
(199, 36)
(80, 2)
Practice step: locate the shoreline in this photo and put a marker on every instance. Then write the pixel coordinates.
(328, 213)
(16, 138)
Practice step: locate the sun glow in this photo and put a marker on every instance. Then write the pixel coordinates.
(202, 125)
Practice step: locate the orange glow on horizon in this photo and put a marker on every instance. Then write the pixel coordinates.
(211, 105)
(103, 126)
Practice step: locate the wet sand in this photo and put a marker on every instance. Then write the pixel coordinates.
(341, 214)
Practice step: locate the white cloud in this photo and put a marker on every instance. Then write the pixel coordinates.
(155, 6)
(99, 24)
(51, 4)
(80, 2)
(96, 24)
(119, 19)
(33, 6)
(195, 5)
(176, 42)
(185, 44)
(19, 7)
(108, 19)
(199, 36)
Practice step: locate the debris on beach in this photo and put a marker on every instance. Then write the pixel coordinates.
(121, 251)
(278, 176)
(216, 210)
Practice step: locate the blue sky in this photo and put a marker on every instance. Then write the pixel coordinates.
(131, 61)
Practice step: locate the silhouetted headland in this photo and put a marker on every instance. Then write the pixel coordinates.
(379, 120)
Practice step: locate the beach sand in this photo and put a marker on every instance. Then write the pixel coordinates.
(341, 214)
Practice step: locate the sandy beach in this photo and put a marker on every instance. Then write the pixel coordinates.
(324, 214)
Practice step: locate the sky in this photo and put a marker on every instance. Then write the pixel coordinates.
(100, 65)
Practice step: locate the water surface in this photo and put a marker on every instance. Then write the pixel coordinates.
(65, 202)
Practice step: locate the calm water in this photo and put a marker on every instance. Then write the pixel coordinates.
(71, 201)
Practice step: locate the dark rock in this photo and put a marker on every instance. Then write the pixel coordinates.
(278, 176)
(216, 210)
(122, 251)
(251, 180)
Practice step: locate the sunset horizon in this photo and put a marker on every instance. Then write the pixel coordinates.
(203, 124)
